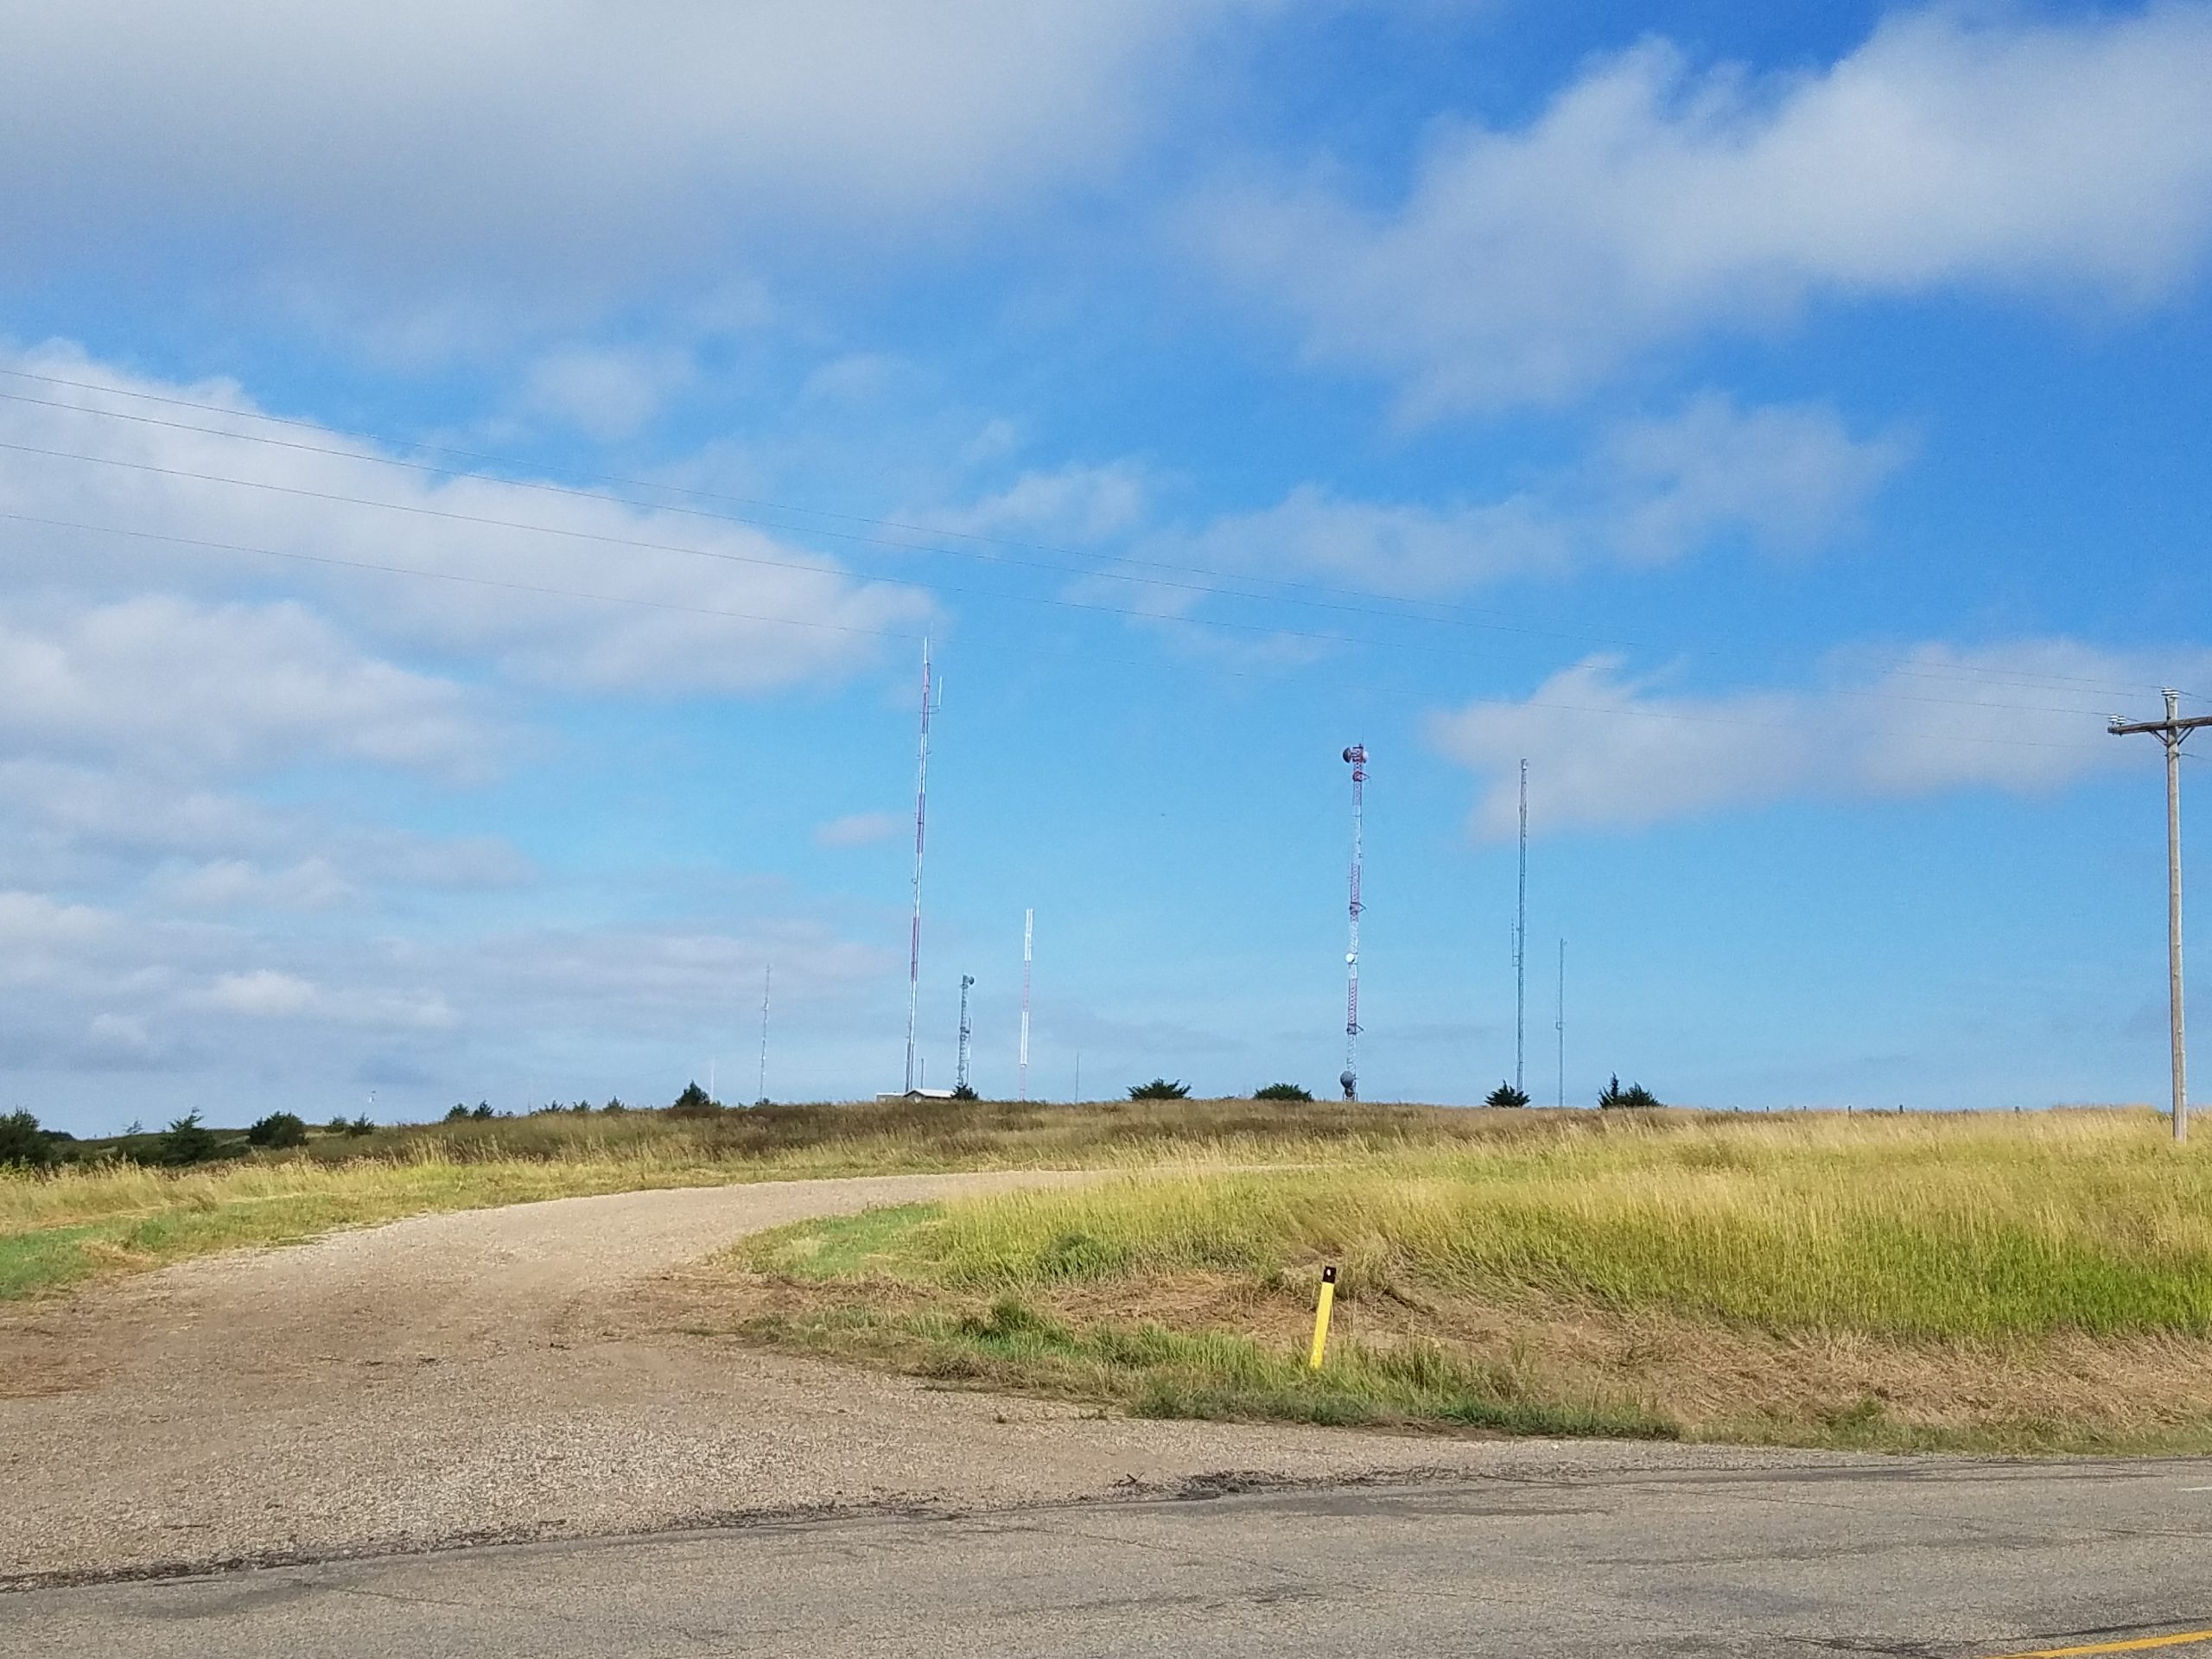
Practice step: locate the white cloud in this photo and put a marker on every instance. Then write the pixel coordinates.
(1787, 476)
(263, 994)
(858, 830)
(1403, 549)
(1648, 203)
(856, 379)
(1610, 748)
(684, 605)
(1075, 503)
(93, 989)
(631, 980)
(39, 935)
(269, 994)
(238, 884)
(605, 392)
(130, 813)
(574, 142)
(120, 1035)
(64, 825)
(169, 685)
(1783, 478)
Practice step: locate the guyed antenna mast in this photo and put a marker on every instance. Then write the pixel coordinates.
(768, 981)
(1521, 949)
(1357, 756)
(1028, 946)
(960, 1078)
(930, 691)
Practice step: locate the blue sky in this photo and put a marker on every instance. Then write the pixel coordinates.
(476, 481)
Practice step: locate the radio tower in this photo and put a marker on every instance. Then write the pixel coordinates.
(1520, 946)
(1358, 755)
(1029, 941)
(767, 980)
(930, 689)
(960, 1069)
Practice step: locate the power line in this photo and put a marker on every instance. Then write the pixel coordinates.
(449, 575)
(1095, 566)
(1423, 696)
(601, 537)
(640, 543)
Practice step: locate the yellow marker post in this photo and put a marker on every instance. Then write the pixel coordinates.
(1321, 1318)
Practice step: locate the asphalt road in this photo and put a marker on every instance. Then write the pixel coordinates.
(527, 1374)
(1928, 1558)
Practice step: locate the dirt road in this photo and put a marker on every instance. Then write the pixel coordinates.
(503, 1374)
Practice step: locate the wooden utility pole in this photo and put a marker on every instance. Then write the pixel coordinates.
(2171, 731)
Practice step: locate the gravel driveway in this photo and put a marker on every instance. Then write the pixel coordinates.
(500, 1374)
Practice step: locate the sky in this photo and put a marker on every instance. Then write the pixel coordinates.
(475, 480)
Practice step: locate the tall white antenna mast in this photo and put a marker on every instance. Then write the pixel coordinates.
(767, 980)
(960, 1074)
(921, 819)
(1357, 756)
(1521, 947)
(1028, 942)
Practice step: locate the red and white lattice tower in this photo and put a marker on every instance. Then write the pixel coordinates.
(1357, 756)
(921, 820)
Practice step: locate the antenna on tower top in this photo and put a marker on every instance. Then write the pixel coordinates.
(1357, 754)
(929, 694)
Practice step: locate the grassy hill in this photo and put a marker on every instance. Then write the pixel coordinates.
(2038, 1282)
(113, 1206)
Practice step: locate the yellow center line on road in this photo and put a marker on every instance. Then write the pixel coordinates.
(2136, 1645)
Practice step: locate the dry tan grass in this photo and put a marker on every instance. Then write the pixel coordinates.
(2030, 1282)
(109, 1216)
(1702, 1379)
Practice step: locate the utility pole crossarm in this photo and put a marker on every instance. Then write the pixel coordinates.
(2174, 728)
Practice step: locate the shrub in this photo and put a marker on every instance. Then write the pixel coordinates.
(695, 1102)
(1160, 1088)
(1506, 1095)
(339, 1124)
(278, 1130)
(960, 1091)
(614, 1104)
(187, 1141)
(361, 1125)
(460, 1114)
(1281, 1091)
(481, 1112)
(23, 1143)
(1614, 1097)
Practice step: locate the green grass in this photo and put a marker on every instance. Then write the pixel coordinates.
(1942, 1227)
(58, 1230)
(1922, 1281)
(1153, 1371)
(31, 1261)
(107, 1215)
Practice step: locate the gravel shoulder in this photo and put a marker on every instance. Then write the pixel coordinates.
(522, 1373)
